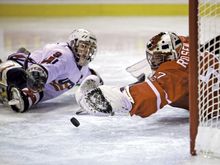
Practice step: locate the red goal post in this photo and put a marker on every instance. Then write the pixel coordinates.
(193, 67)
(204, 77)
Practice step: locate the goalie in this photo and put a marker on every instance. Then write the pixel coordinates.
(28, 78)
(168, 56)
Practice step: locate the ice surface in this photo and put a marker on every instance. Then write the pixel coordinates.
(45, 135)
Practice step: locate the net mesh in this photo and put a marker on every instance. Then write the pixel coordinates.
(208, 137)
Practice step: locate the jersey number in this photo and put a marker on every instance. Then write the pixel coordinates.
(62, 84)
(53, 58)
(159, 75)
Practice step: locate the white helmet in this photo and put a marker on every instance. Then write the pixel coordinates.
(84, 46)
(163, 47)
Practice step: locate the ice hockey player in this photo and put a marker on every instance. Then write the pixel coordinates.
(29, 78)
(168, 55)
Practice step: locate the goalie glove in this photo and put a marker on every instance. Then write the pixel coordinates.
(88, 84)
(103, 100)
(36, 77)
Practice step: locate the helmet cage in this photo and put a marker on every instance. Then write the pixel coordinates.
(157, 58)
(84, 52)
(83, 45)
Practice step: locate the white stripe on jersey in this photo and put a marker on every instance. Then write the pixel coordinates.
(155, 91)
(168, 100)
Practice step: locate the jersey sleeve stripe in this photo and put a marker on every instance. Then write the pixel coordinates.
(155, 91)
(166, 97)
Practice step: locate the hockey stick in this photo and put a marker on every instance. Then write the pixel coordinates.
(81, 112)
(138, 69)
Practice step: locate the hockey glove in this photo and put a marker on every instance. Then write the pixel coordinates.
(36, 77)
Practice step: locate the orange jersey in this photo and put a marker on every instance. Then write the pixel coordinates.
(168, 85)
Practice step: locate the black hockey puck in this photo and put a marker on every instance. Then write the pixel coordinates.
(75, 122)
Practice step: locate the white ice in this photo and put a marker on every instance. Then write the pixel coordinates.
(45, 136)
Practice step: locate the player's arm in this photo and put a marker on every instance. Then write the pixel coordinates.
(58, 63)
(174, 83)
(148, 98)
(163, 88)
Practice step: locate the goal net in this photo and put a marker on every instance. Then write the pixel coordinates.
(204, 32)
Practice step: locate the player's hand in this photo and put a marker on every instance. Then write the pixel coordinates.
(36, 77)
